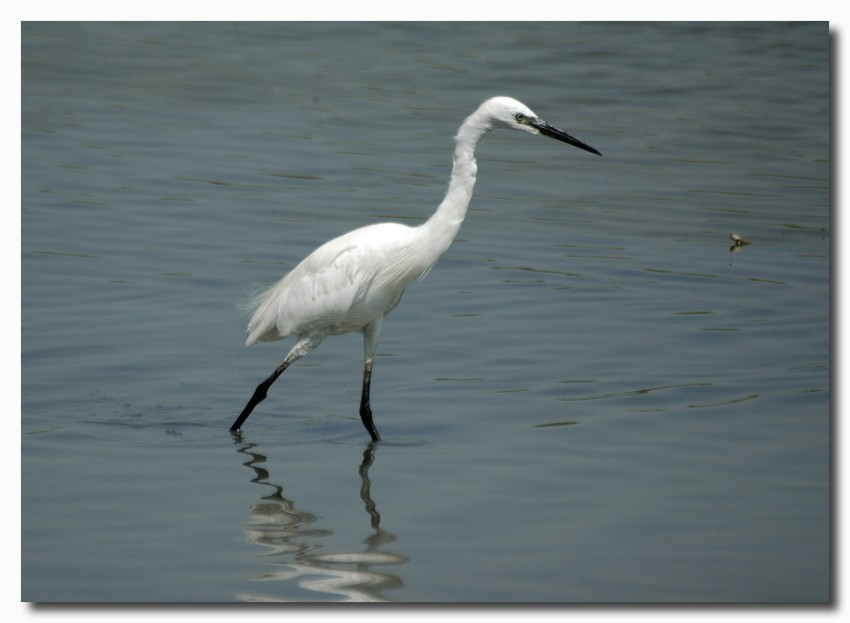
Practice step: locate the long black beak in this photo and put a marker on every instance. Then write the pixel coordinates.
(548, 130)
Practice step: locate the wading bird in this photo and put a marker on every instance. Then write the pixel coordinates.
(352, 282)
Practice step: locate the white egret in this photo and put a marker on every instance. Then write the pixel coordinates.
(352, 282)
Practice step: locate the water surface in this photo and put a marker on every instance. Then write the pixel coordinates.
(592, 397)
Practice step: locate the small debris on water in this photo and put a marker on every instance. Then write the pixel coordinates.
(738, 242)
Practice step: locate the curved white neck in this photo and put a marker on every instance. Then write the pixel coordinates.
(440, 230)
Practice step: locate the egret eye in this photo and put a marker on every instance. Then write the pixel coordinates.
(520, 118)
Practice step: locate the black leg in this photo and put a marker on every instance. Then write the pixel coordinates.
(259, 395)
(365, 408)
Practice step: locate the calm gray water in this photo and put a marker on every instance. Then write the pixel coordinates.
(590, 398)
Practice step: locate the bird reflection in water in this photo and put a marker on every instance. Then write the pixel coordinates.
(292, 543)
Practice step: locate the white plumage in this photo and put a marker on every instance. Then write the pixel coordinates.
(352, 282)
(342, 286)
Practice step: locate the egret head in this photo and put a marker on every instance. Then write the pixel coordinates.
(507, 112)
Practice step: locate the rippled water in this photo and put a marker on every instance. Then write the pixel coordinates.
(592, 397)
